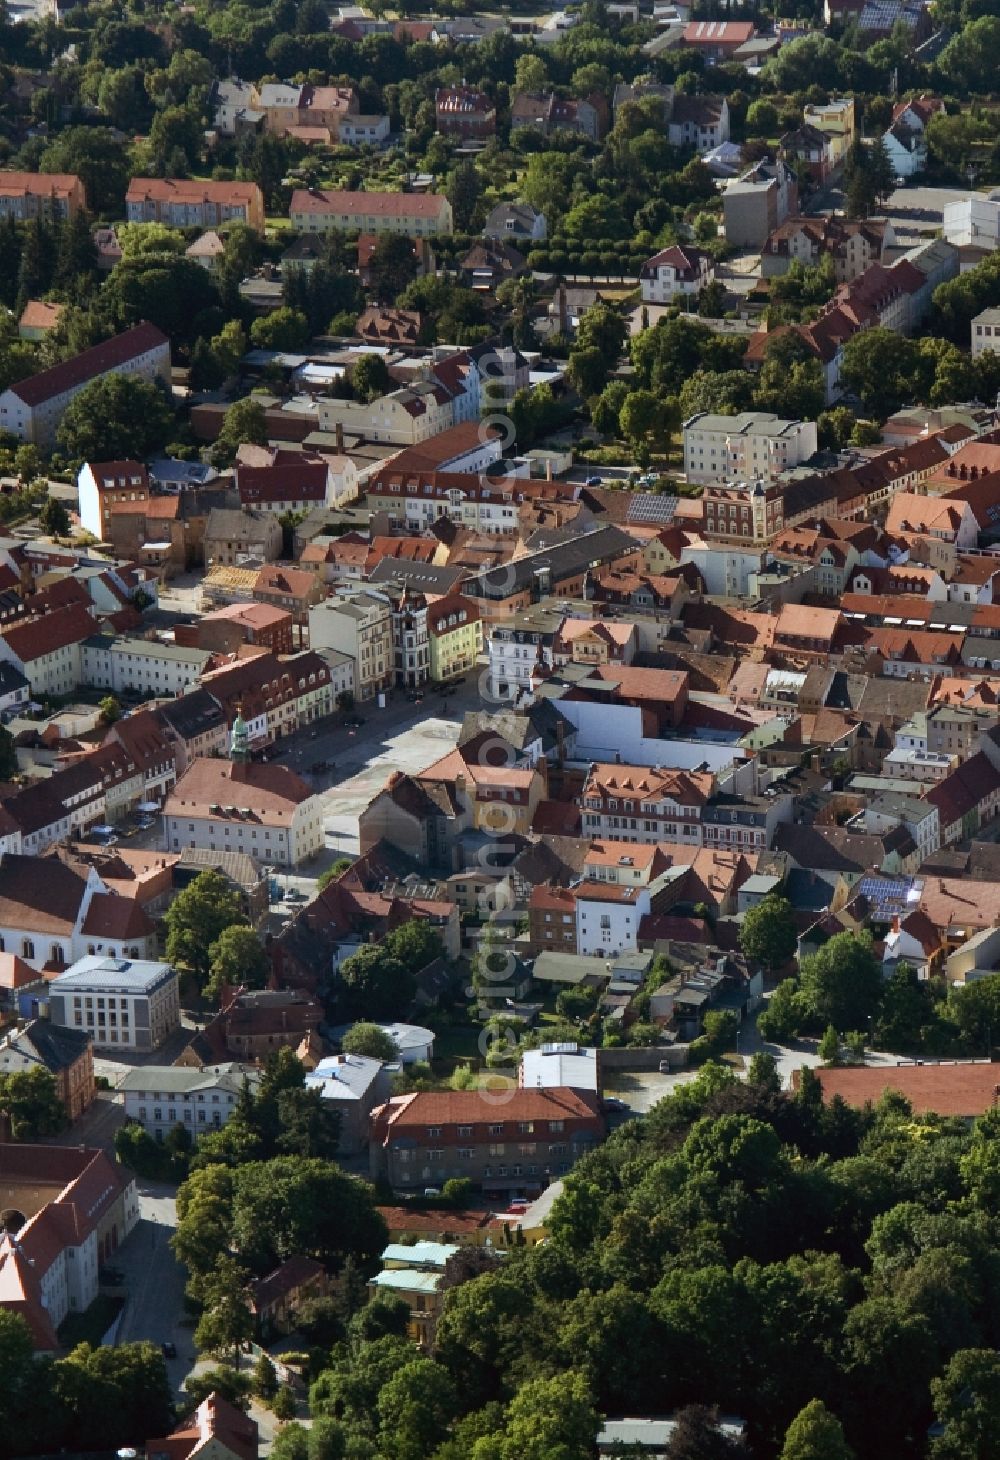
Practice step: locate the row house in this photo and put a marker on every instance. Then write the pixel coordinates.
(106, 484)
(274, 696)
(29, 195)
(415, 500)
(745, 823)
(968, 798)
(359, 625)
(645, 804)
(32, 409)
(531, 1139)
(418, 215)
(141, 666)
(192, 203)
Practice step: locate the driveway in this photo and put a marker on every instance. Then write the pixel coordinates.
(155, 1281)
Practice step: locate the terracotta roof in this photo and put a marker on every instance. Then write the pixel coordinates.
(38, 184)
(89, 364)
(191, 191)
(384, 205)
(299, 481)
(453, 1108)
(275, 578)
(273, 792)
(963, 1089)
(39, 314)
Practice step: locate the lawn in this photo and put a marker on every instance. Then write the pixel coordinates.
(92, 1324)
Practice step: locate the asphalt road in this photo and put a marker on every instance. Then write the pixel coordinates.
(155, 1281)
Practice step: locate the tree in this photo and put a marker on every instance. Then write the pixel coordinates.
(197, 917)
(31, 1103)
(115, 418)
(530, 73)
(548, 1419)
(227, 1382)
(724, 392)
(370, 377)
(463, 192)
(697, 1436)
(882, 367)
(237, 957)
(588, 370)
(340, 866)
(392, 266)
(170, 290)
(374, 983)
(265, 1377)
(244, 421)
(293, 1205)
(969, 58)
(99, 158)
(767, 933)
(967, 1404)
(415, 1409)
(842, 983)
(829, 1046)
(782, 1017)
(282, 329)
(369, 1040)
(109, 710)
(54, 517)
(815, 1434)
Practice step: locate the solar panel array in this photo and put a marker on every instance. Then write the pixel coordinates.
(651, 508)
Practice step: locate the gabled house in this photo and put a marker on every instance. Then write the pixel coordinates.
(678, 270)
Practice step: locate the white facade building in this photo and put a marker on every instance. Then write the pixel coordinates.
(121, 1003)
(144, 666)
(753, 446)
(159, 1097)
(985, 332)
(608, 917)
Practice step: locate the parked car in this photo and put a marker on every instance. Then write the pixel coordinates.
(169, 1350)
(595, 481)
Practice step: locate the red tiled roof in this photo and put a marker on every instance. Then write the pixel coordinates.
(963, 1089)
(191, 190)
(89, 364)
(37, 637)
(384, 205)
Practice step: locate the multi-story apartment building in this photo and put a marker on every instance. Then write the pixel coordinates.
(32, 409)
(360, 626)
(27, 195)
(411, 650)
(264, 811)
(745, 823)
(419, 215)
(645, 804)
(141, 666)
(190, 203)
(744, 510)
(48, 651)
(531, 1138)
(79, 1207)
(416, 500)
(122, 1003)
(159, 1097)
(517, 648)
(754, 446)
(288, 108)
(106, 484)
(455, 636)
